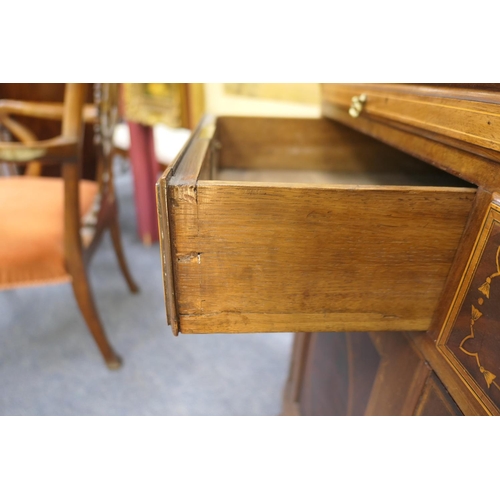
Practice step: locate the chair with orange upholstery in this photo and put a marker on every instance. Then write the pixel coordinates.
(50, 226)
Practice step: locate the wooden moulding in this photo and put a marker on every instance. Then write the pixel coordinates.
(454, 129)
(468, 116)
(165, 252)
(164, 226)
(267, 257)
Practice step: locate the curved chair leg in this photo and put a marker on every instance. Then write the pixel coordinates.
(114, 229)
(85, 301)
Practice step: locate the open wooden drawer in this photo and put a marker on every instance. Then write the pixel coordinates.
(271, 225)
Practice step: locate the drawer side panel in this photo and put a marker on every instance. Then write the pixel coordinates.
(282, 258)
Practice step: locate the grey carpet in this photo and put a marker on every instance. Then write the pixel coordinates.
(49, 364)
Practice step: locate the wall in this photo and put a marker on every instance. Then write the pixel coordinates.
(280, 99)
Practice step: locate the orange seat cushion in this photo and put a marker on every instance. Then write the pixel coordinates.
(32, 229)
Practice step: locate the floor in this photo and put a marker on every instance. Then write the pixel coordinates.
(49, 365)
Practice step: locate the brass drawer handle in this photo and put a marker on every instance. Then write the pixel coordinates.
(357, 103)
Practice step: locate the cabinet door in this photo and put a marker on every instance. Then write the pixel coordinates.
(355, 374)
(325, 388)
(465, 115)
(340, 372)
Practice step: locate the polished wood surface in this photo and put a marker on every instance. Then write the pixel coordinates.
(467, 339)
(480, 169)
(469, 117)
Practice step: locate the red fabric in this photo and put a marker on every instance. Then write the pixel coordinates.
(145, 170)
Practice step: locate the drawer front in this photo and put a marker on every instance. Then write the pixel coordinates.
(467, 116)
(262, 256)
(469, 339)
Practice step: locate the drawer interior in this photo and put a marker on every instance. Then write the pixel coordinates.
(315, 152)
(272, 225)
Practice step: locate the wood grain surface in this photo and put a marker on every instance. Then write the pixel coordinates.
(267, 256)
(449, 114)
(476, 165)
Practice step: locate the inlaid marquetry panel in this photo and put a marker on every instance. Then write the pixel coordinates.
(470, 337)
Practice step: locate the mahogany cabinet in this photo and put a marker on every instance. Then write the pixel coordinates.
(371, 232)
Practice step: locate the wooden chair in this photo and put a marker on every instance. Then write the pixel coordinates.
(50, 227)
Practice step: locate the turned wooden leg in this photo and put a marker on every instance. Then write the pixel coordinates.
(85, 301)
(114, 229)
